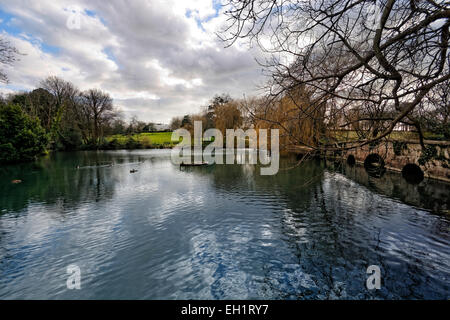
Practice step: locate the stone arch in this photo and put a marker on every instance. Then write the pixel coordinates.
(412, 173)
(373, 160)
(374, 165)
(351, 160)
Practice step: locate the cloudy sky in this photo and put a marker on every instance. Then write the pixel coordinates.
(156, 58)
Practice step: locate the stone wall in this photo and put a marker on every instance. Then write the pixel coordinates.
(434, 160)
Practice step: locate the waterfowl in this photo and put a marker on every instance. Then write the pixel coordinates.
(133, 171)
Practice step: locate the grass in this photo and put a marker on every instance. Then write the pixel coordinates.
(142, 140)
(152, 140)
(147, 140)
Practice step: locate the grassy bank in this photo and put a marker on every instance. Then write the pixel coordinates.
(160, 140)
(147, 140)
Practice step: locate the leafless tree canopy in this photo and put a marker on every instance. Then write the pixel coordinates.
(62, 90)
(97, 109)
(371, 63)
(8, 54)
(90, 111)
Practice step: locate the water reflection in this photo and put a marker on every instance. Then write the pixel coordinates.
(428, 194)
(217, 232)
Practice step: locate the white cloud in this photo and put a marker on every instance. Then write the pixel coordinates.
(157, 59)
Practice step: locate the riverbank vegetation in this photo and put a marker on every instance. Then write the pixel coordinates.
(21, 137)
(345, 86)
(365, 67)
(145, 140)
(290, 114)
(58, 116)
(337, 82)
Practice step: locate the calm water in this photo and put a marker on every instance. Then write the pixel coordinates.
(220, 232)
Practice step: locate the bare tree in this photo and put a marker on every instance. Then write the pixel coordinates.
(62, 90)
(97, 110)
(8, 54)
(175, 123)
(227, 115)
(434, 111)
(369, 63)
(64, 95)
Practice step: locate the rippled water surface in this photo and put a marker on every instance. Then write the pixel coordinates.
(218, 232)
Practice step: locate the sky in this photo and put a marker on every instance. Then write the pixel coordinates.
(156, 58)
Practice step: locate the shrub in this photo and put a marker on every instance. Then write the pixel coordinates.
(21, 137)
(69, 139)
(132, 143)
(114, 144)
(428, 153)
(399, 146)
(146, 142)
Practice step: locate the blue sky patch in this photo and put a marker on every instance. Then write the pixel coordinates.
(7, 25)
(216, 5)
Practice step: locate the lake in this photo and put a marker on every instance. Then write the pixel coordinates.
(218, 232)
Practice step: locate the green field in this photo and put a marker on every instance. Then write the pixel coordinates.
(151, 140)
(142, 140)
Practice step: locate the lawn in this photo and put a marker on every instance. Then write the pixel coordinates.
(146, 140)
(149, 140)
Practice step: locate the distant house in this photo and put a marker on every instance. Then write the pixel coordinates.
(403, 127)
(161, 127)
